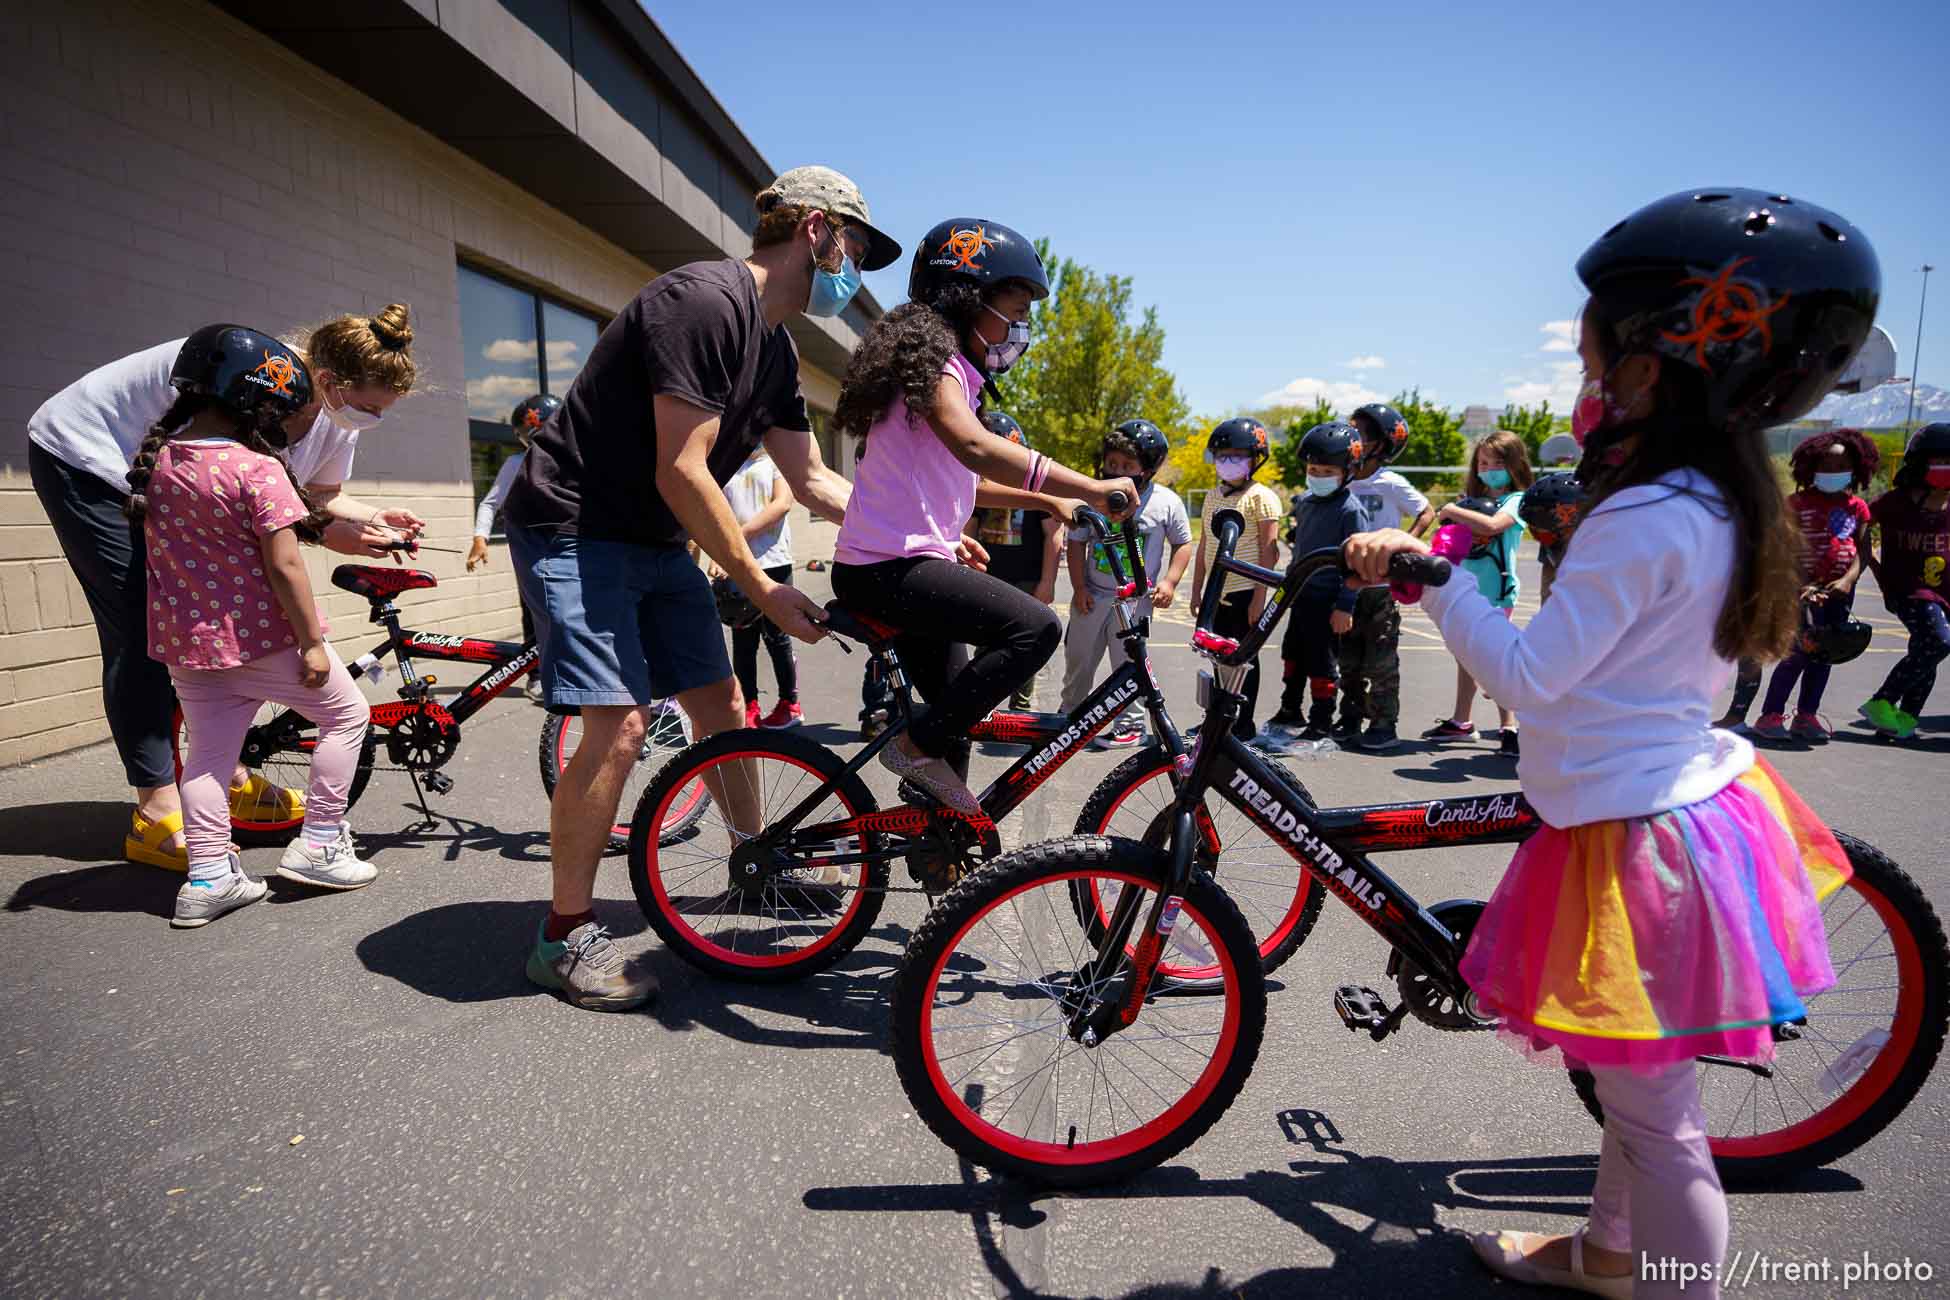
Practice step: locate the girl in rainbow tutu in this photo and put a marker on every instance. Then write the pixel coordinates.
(1670, 908)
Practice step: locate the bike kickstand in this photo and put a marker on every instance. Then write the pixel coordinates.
(421, 795)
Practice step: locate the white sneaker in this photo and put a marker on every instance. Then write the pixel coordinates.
(336, 866)
(198, 905)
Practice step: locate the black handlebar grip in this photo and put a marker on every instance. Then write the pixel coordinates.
(1118, 501)
(1413, 566)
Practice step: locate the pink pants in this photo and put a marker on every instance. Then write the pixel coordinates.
(1658, 1195)
(218, 705)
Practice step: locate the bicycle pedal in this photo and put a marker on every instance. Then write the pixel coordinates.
(1362, 1009)
(438, 782)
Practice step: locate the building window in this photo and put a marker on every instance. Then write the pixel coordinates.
(516, 344)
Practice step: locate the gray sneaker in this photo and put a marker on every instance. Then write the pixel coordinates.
(589, 972)
(201, 904)
(336, 866)
(934, 776)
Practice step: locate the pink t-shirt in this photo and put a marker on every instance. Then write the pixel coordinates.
(211, 604)
(910, 495)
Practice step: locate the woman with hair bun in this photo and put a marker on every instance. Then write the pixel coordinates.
(82, 443)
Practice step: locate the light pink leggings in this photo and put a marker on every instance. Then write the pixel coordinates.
(218, 705)
(1658, 1195)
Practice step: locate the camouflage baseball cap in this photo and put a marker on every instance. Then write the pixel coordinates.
(829, 191)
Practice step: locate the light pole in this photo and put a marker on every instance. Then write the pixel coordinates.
(1916, 357)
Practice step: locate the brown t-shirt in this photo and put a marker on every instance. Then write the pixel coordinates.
(697, 334)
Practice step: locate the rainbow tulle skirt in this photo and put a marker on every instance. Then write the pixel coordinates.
(1643, 942)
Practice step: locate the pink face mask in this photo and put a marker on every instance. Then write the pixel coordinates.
(1588, 412)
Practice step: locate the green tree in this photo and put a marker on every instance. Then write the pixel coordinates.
(1434, 437)
(1532, 424)
(1093, 364)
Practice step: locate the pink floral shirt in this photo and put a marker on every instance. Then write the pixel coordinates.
(211, 504)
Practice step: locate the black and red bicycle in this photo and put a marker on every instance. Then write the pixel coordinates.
(792, 876)
(418, 732)
(1065, 1053)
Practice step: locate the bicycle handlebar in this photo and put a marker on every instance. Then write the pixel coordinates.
(1130, 584)
(1227, 525)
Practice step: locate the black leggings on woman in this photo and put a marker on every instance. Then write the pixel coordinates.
(778, 644)
(1910, 682)
(939, 607)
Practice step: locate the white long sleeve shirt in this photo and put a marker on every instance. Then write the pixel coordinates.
(491, 503)
(1614, 678)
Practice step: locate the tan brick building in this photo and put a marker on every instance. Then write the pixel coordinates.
(168, 163)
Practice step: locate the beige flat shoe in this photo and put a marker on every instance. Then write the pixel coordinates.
(1502, 1253)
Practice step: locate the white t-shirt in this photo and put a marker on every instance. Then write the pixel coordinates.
(1386, 499)
(491, 503)
(750, 491)
(1614, 678)
(1161, 518)
(96, 423)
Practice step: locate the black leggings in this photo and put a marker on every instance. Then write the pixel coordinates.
(1910, 682)
(778, 644)
(105, 551)
(940, 606)
(1233, 618)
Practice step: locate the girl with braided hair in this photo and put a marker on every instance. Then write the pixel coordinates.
(231, 612)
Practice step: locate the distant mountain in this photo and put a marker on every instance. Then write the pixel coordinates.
(1882, 408)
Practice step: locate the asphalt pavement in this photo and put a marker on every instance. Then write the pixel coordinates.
(361, 1095)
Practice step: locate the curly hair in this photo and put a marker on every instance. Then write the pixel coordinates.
(366, 351)
(1862, 453)
(902, 356)
(248, 430)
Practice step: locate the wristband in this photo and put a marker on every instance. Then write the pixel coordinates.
(1038, 471)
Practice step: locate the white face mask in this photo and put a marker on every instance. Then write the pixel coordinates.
(348, 418)
(1233, 469)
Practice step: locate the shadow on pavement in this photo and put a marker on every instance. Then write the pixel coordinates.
(84, 831)
(1402, 1242)
(1460, 769)
(111, 887)
(843, 1007)
(472, 952)
(455, 835)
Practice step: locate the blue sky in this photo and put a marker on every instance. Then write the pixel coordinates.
(1352, 198)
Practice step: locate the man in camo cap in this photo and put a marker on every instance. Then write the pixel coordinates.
(683, 384)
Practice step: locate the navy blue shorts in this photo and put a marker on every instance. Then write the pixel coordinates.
(617, 623)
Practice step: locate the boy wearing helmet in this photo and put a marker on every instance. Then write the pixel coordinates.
(1913, 532)
(1135, 449)
(524, 420)
(1370, 654)
(1236, 449)
(1326, 515)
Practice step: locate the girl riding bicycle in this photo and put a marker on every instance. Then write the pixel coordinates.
(231, 612)
(1669, 909)
(913, 392)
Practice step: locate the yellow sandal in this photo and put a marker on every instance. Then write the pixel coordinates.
(258, 801)
(148, 842)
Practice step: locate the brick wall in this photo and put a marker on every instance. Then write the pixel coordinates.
(163, 166)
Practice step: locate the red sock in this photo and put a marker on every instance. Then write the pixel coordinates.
(557, 927)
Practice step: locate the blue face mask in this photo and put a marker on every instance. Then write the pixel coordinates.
(1836, 482)
(1496, 480)
(1323, 485)
(832, 290)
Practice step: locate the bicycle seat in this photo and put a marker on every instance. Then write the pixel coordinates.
(379, 581)
(855, 626)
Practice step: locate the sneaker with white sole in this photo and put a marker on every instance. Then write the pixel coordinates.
(934, 776)
(335, 866)
(199, 904)
(586, 968)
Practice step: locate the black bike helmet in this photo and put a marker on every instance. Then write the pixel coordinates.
(981, 252)
(1003, 425)
(1482, 506)
(243, 370)
(1931, 442)
(531, 415)
(1383, 432)
(1766, 297)
(1140, 439)
(1835, 644)
(1241, 433)
(735, 608)
(1335, 444)
(1551, 506)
